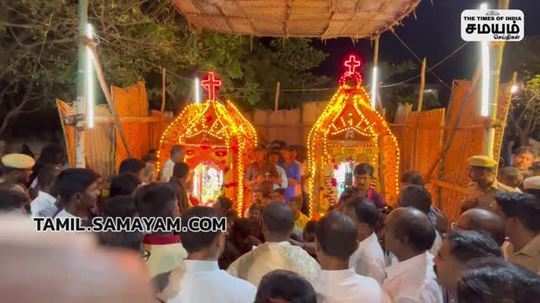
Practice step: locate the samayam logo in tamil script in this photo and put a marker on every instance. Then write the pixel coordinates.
(492, 25)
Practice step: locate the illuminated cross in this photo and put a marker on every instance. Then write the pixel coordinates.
(211, 84)
(352, 63)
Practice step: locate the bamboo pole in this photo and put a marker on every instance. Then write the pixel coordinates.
(163, 88)
(276, 100)
(422, 86)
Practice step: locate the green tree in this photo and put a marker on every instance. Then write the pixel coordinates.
(522, 57)
(38, 55)
(524, 116)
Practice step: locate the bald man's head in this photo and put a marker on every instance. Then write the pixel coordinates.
(336, 236)
(66, 268)
(482, 220)
(408, 231)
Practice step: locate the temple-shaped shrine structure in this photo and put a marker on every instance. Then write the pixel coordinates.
(347, 133)
(217, 139)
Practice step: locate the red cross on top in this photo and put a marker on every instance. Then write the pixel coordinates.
(352, 63)
(211, 84)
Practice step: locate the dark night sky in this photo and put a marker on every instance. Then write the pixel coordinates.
(434, 33)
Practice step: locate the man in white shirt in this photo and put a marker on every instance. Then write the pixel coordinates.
(276, 252)
(337, 283)
(44, 205)
(78, 191)
(368, 259)
(163, 250)
(177, 156)
(273, 158)
(199, 279)
(418, 197)
(409, 235)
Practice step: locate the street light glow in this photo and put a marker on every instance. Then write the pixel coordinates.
(89, 73)
(484, 50)
(374, 87)
(514, 89)
(197, 90)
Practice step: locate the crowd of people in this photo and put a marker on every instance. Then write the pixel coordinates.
(361, 250)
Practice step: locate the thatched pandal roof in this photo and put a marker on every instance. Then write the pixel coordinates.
(323, 19)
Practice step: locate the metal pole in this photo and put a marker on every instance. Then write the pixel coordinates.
(497, 51)
(81, 87)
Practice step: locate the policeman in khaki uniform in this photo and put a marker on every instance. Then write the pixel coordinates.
(482, 172)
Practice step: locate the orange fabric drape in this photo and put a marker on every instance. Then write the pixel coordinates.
(131, 101)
